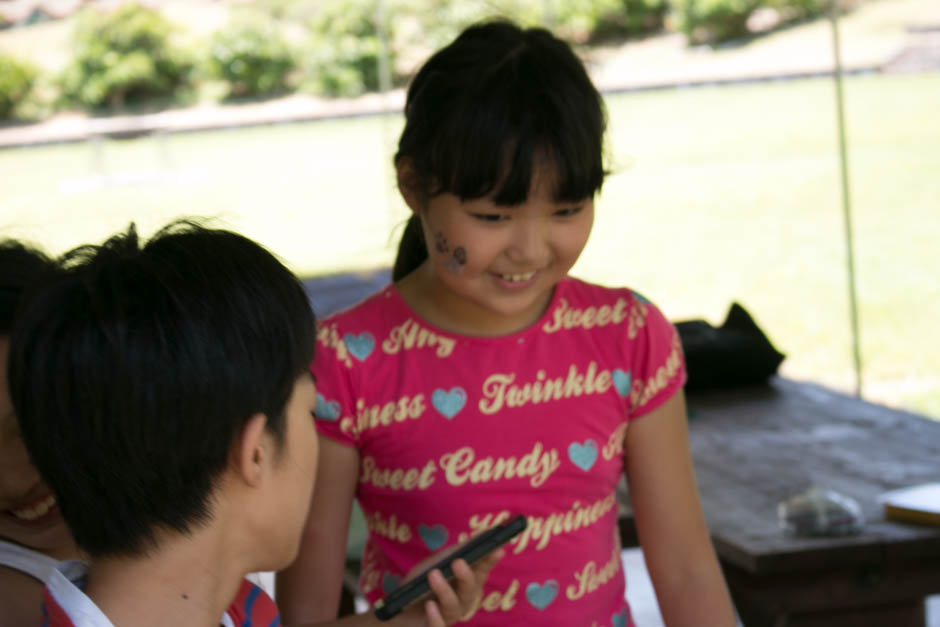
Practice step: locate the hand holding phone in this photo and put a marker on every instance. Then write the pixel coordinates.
(472, 551)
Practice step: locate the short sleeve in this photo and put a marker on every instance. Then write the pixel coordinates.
(333, 371)
(655, 352)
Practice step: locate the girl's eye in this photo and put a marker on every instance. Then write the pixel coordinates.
(490, 217)
(568, 212)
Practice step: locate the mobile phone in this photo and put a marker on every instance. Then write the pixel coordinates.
(472, 551)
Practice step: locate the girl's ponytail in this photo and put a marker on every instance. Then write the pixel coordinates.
(412, 250)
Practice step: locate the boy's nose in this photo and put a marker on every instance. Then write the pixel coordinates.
(530, 244)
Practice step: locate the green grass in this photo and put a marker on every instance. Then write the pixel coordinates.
(735, 195)
(718, 195)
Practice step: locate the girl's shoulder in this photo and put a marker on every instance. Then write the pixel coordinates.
(581, 304)
(378, 307)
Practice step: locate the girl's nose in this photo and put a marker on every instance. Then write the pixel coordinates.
(530, 243)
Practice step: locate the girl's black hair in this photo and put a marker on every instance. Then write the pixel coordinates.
(488, 108)
(20, 265)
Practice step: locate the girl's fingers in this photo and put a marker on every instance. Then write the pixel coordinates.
(459, 601)
(447, 601)
(469, 585)
(433, 614)
(470, 581)
(485, 565)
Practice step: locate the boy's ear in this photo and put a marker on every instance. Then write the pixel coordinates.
(252, 450)
(409, 184)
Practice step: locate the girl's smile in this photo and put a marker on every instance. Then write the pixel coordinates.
(36, 512)
(515, 281)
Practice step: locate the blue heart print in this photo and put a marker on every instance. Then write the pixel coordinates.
(434, 537)
(449, 403)
(619, 619)
(641, 298)
(390, 582)
(360, 346)
(622, 381)
(326, 410)
(583, 455)
(541, 596)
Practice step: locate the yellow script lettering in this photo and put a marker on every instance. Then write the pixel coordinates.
(384, 415)
(410, 334)
(399, 478)
(501, 390)
(501, 601)
(328, 335)
(614, 446)
(566, 317)
(541, 529)
(391, 528)
(590, 578)
(462, 466)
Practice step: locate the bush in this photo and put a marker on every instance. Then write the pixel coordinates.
(343, 56)
(717, 21)
(124, 58)
(254, 59)
(16, 83)
(576, 21)
(630, 18)
(791, 10)
(714, 21)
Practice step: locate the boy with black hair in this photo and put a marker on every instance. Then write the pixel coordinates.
(163, 391)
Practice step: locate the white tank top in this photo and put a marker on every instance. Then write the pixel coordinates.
(35, 564)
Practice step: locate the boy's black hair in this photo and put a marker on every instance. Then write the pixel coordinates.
(20, 265)
(484, 111)
(135, 367)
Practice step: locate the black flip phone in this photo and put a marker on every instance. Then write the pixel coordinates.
(472, 551)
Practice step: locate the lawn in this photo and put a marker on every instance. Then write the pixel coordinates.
(717, 195)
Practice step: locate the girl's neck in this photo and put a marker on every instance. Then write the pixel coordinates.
(448, 312)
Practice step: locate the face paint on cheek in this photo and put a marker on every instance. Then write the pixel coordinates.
(440, 243)
(458, 260)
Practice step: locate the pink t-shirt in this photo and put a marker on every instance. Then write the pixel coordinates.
(455, 434)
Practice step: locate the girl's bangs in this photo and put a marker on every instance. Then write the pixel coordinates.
(495, 154)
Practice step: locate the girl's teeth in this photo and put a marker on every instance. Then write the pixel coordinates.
(35, 511)
(515, 278)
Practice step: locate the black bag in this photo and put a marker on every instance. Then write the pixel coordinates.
(735, 354)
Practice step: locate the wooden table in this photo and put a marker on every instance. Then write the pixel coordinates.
(754, 447)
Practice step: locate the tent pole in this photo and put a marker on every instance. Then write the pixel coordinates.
(846, 199)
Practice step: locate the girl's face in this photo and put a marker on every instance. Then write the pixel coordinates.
(492, 269)
(28, 512)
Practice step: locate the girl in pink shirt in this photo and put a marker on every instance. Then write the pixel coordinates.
(486, 382)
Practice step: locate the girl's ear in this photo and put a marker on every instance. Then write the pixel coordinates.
(252, 450)
(409, 184)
